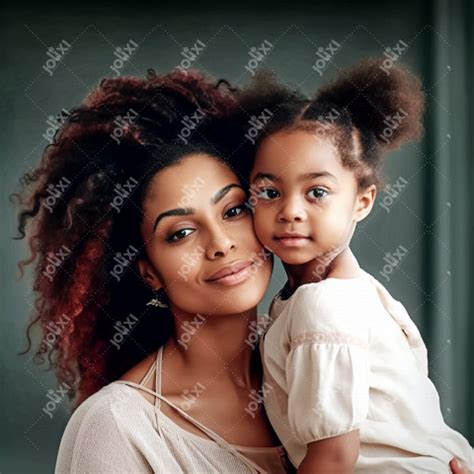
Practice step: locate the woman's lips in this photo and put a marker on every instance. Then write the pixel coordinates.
(235, 278)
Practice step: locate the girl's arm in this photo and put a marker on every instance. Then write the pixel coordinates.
(338, 454)
(327, 373)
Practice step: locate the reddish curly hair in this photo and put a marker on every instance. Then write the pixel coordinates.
(75, 238)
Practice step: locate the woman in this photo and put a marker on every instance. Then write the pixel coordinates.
(127, 162)
(144, 200)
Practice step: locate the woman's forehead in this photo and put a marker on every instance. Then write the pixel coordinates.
(192, 180)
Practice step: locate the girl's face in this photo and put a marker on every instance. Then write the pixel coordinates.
(196, 224)
(306, 202)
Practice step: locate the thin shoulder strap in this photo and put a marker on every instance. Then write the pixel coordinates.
(159, 364)
(214, 436)
(148, 374)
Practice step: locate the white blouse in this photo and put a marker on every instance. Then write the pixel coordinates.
(116, 430)
(342, 354)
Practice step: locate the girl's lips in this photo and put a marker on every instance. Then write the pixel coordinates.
(235, 278)
(292, 241)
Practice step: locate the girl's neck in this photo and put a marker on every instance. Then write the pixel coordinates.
(343, 265)
(217, 344)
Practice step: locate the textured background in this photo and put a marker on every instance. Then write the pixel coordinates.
(432, 217)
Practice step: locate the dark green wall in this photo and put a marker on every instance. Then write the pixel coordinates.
(431, 218)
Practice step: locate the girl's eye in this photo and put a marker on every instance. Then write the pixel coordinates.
(235, 211)
(178, 235)
(267, 193)
(319, 193)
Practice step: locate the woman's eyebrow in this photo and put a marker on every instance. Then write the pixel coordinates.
(180, 211)
(186, 211)
(221, 193)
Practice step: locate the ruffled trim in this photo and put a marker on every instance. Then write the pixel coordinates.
(336, 337)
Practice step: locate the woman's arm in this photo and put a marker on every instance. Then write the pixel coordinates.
(338, 454)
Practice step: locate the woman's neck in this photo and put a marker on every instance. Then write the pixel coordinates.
(218, 344)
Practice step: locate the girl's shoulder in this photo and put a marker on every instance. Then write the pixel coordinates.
(344, 290)
(333, 304)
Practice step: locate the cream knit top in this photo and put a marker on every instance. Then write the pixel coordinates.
(116, 430)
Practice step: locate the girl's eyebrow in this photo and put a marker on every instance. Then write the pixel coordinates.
(320, 174)
(269, 176)
(186, 211)
(302, 177)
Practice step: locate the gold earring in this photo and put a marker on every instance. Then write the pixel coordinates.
(157, 302)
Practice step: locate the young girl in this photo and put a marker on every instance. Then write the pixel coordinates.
(346, 365)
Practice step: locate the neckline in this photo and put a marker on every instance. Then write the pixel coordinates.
(363, 278)
(270, 449)
(191, 435)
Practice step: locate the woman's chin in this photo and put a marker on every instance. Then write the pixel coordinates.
(240, 303)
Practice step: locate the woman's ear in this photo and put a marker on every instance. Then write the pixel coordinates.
(365, 202)
(148, 273)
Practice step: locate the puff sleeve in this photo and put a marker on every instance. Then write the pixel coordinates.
(327, 367)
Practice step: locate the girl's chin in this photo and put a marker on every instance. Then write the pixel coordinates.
(293, 257)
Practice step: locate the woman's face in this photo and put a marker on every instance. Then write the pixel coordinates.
(196, 224)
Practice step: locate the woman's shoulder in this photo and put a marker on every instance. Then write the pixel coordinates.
(104, 405)
(138, 372)
(98, 432)
(114, 406)
(90, 433)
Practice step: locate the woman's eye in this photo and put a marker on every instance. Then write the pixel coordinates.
(178, 235)
(267, 193)
(318, 193)
(235, 211)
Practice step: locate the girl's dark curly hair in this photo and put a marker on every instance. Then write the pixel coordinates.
(83, 204)
(366, 111)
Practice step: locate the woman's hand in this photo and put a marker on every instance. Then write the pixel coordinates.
(457, 467)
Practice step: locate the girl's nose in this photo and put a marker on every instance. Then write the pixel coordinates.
(292, 211)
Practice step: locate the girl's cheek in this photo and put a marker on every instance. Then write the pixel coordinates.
(261, 231)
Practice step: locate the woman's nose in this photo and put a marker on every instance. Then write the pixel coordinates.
(220, 244)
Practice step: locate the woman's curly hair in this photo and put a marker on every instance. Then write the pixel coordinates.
(83, 208)
(366, 111)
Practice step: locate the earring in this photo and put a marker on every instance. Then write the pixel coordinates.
(157, 302)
